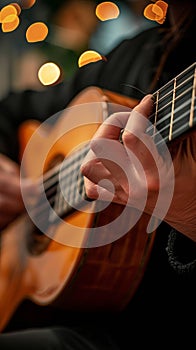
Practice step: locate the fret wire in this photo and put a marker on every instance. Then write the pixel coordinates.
(163, 119)
(168, 93)
(175, 121)
(156, 114)
(162, 98)
(165, 139)
(172, 111)
(171, 83)
(177, 77)
(192, 101)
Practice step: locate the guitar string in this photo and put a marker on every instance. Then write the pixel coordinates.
(41, 206)
(174, 122)
(48, 177)
(160, 99)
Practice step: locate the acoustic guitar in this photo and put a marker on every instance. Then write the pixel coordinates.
(51, 254)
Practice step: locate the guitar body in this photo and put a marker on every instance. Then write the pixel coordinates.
(42, 267)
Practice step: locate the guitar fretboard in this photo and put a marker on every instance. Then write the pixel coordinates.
(174, 111)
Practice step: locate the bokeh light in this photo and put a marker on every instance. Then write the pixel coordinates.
(9, 17)
(107, 10)
(49, 73)
(7, 11)
(88, 57)
(156, 12)
(37, 31)
(10, 23)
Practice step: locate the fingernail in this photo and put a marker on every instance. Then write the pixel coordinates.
(146, 97)
(96, 146)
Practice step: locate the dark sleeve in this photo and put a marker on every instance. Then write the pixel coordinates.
(17, 107)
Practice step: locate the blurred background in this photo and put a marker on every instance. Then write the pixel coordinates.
(73, 27)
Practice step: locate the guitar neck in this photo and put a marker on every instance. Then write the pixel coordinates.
(174, 112)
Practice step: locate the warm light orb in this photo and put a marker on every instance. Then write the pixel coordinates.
(88, 57)
(7, 11)
(37, 31)
(10, 23)
(10, 18)
(156, 12)
(49, 73)
(107, 10)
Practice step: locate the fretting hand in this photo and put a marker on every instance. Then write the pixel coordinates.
(135, 173)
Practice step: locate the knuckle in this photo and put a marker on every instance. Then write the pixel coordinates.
(86, 169)
(91, 191)
(129, 139)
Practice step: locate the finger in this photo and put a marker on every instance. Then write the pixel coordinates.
(112, 126)
(91, 167)
(135, 138)
(7, 165)
(95, 171)
(138, 121)
(114, 158)
(100, 192)
(10, 206)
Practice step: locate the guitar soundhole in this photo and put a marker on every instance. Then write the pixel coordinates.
(37, 241)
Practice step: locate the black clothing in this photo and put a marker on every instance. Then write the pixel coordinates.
(164, 304)
(132, 64)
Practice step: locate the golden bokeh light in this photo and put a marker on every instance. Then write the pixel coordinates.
(10, 18)
(156, 12)
(10, 23)
(37, 31)
(107, 10)
(7, 11)
(88, 57)
(49, 73)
